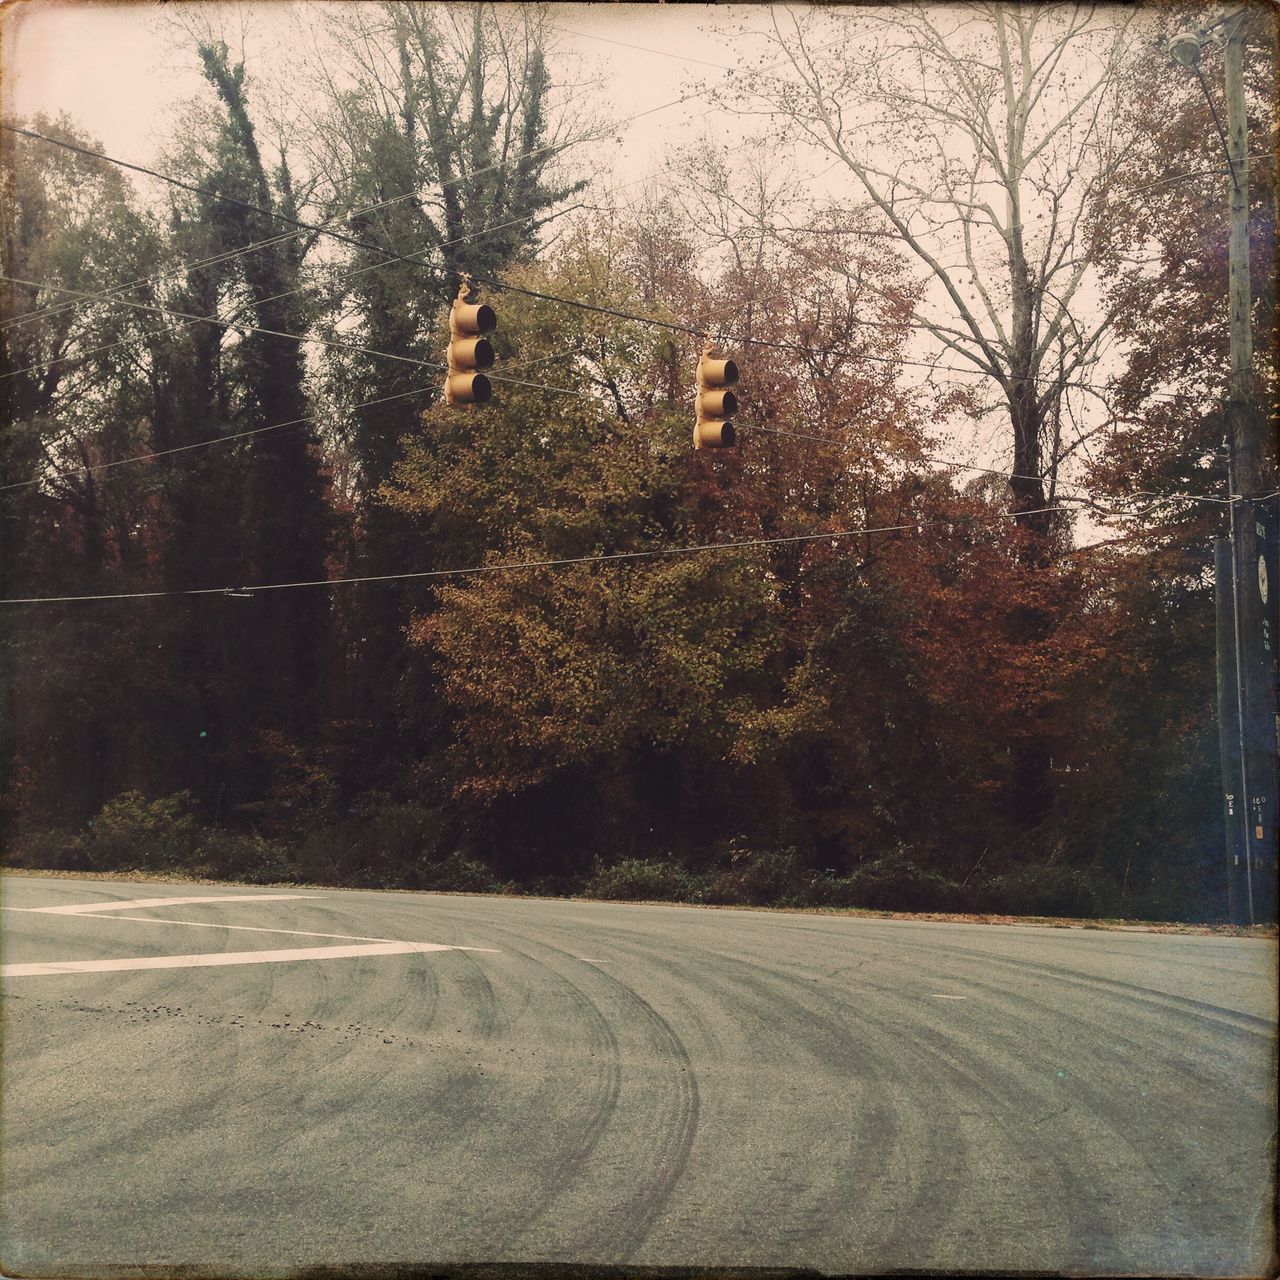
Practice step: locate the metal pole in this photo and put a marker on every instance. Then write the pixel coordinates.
(1229, 746)
(1248, 444)
(1246, 460)
(1247, 844)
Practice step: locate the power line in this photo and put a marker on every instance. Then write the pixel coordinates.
(203, 444)
(43, 313)
(611, 557)
(234, 324)
(680, 57)
(992, 471)
(297, 337)
(1039, 217)
(392, 255)
(493, 377)
(323, 228)
(292, 422)
(106, 295)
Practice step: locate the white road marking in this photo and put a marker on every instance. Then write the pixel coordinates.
(83, 907)
(936, 996)
(589, 960)
(241, 928)
(220, 958)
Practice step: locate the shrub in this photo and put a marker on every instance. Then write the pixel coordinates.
(134, 833)
(641, 879)
(242, 855)
(1042, 891)
(378, 843)
(49, 851)
(454, 873)
(889, 884)
(760, 879)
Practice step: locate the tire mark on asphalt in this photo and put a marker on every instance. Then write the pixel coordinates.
(935, 1194)
(675, 1119)
(1185, 1006)
(870, 1182)
(490, 1221)
(1187, 1225)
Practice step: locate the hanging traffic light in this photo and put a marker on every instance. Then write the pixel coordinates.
(469, 350)
(716, 404)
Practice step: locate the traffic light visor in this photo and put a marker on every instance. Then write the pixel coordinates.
(473, 317)
(471, 353)
(717, 404)
(468, 388)
(717, 373)
(715, 435)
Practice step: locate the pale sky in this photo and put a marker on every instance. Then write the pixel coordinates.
(124, 77)
(117, 72)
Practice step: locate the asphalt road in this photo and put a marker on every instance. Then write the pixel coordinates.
(621, 1084)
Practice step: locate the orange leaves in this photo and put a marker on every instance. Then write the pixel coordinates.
(552, 668)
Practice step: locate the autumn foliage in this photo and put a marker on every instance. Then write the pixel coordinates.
(566, 652)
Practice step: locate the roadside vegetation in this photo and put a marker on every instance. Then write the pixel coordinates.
(403, 847)
(907, 685)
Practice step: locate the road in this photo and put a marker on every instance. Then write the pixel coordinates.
(198, 1083)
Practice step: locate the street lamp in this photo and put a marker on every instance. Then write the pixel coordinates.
(1185, 48)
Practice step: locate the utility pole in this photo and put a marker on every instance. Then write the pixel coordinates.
(1246, 648)
(1247, 444)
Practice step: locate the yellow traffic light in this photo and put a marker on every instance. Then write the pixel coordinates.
(469, 350)
(716, 404)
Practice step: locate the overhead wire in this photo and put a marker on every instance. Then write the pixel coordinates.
(993, 471)
(393, 256)
(325, 229)
(505, 286)
(334, 343)
(236, 324)
(275, 297)
(500, 378)
(93, 468)
(314, 338)
(471, 570)
(322, 228)
(255, 246)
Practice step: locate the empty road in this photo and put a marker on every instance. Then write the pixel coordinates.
(249, 1079)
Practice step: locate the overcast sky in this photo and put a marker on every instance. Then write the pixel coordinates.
(120, 75)
(123, 76)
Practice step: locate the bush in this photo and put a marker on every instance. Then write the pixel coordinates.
(49, 851)
(889, 884)
(241, 855)
(1041, 891)
(760, 879)
(379, 843)
(641, 879)
(134, 833)
(454, 873)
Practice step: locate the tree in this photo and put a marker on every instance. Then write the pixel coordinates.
(72, 222)
(981, 130)
(1163, 259)
(559, 680)
(439, 134)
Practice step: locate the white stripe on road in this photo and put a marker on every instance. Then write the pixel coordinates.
(82, 907)
(219, 958)
(239, 928)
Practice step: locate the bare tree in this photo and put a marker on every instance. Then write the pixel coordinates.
(980, 132)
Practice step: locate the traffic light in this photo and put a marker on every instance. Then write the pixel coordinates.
(469, 350)
(716, 403)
